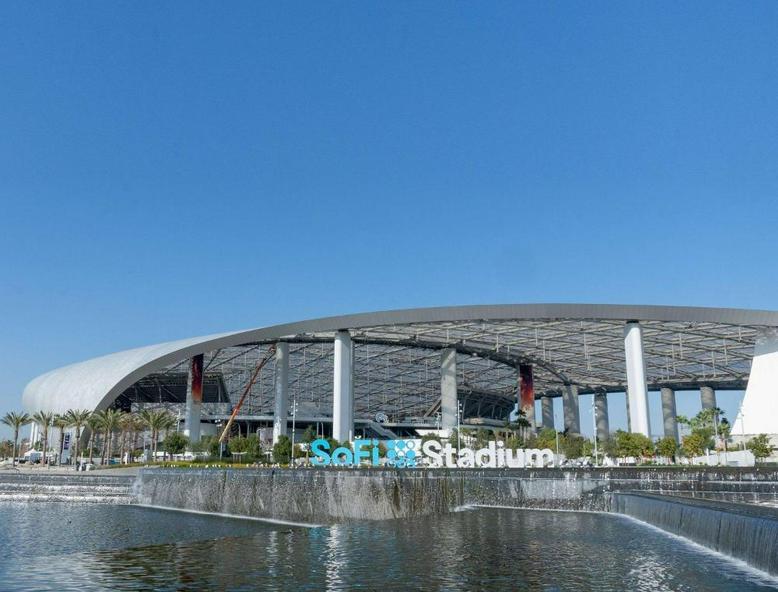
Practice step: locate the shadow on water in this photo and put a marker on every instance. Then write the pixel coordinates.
(73, 547)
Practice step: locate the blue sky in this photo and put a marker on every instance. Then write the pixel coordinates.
(171, 169)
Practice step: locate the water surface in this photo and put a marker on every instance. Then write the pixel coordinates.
(60, 546)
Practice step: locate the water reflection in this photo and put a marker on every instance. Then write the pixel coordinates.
(487, 549)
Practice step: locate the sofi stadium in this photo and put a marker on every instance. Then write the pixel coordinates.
(390, 374)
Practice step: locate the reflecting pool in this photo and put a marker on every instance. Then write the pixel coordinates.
(61, 546)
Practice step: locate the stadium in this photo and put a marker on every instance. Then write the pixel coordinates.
(391, 374)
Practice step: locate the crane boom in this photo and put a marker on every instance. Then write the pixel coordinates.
(270, 353)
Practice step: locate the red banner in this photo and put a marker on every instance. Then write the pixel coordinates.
(527, 392)
(197, 378)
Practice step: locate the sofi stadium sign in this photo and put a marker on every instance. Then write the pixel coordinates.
(413, 453)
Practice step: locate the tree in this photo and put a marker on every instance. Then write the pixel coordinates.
(695, 443)
(249, 445)
(128, 426)
(155, 420)
(112, 419)
(175, 443)
(61, 424)
(44, 419)
(628, 444)
(309, 435)
(546, 438)
(16, 421)
(282, 450)
(6, 448)
(77, 418)
(95, 423)
(667, 447)
(572, 445)
(705, 425)
(760, 446)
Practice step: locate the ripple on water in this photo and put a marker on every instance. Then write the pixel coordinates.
(87, 547)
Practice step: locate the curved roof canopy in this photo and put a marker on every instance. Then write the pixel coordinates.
(397, 355)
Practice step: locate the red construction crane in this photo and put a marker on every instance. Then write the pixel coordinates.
(270, 353)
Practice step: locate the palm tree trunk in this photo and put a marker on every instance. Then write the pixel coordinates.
(78, 442)
(16, 439)
(110, 443)
(61, 446)
(90, 445)
(45, 446)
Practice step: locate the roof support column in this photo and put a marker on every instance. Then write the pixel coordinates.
(570, 407)
(527, 394)
(601, 416)
(669, 414)
(547, 411)
(708, 397)
(343, 388)
(281, 408)
(448, 389)
(194, 399)
(637, 392)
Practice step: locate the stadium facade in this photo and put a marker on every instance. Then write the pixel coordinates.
(390, 374)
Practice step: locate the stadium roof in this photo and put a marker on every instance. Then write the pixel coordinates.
(397, 356)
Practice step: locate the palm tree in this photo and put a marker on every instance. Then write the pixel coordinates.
(77, 418)
(44, 419)
(15, 421)
(128, 425)
(155, 420)
(95, 422)
(111, 422)
(61, 424)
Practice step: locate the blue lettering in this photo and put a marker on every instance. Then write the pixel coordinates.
(342, 456)
(359, 454)
(320, 457)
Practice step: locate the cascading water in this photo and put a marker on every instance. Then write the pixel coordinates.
(745, 532)
(41, 487)
(332, 495)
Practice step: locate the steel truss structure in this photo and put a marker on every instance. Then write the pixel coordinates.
(397, 360)
(397, 367)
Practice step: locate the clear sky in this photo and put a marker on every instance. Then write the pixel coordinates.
(174, 169)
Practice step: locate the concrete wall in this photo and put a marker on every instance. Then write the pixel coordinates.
(331, 495)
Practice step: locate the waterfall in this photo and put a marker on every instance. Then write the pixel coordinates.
(749, 533)
(309, 496)
(40, 487)
(333, 495)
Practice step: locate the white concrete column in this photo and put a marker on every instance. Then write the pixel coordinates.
(570, 408)
(601, 413)
(637, 392)
(708, 397)
(281, 407)
(547, 411)
(343, 389)
(669, 414)
(448, 389)
(33, 433)
(194, 399)
(759, 413)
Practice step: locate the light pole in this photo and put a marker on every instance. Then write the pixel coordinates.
(459, 429)
(294, 418)
(221, 444)
(594, 422)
